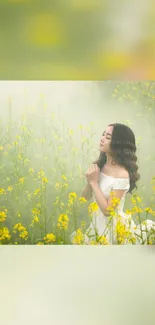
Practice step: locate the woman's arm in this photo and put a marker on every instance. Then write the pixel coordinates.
(87, 192)
(100, 199)
(102, 202)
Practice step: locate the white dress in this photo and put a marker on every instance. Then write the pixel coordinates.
(100, 222)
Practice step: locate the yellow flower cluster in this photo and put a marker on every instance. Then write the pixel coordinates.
(63, 221)
(2, 191)
(61, 185)
(4, 233)
(64, 177)
(123, 235)
(92, 207)
(35, 211)
(37, 191)
(82, 200)
(136, 199)
(150, 211)
(72, 198)
(22, 180)
(78, 237)
(3, 215)
(31, 170)
(49, 238)
(10, 188)
(34, 220)
(23, 233)
(103, 240)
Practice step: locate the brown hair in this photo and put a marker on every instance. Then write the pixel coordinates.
(123, 151)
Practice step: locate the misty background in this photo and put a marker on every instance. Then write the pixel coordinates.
(77, 39)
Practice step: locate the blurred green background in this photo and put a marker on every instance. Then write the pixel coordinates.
(76, 39)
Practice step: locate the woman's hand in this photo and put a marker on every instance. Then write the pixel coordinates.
(93, 174)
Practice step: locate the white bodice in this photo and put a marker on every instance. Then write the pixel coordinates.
(109, 183)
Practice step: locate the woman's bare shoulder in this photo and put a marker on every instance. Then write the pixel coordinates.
(119, 172)
(122, 173)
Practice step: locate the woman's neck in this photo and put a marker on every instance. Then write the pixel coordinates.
(110, 162)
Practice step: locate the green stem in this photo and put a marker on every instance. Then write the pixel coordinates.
(106, 227)
(74, 217)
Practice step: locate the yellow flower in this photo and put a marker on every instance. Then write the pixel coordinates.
(10, 188)
(83, 224)
(2, 191)
(92, 207)
(24, 234)
(113, 213)
(57, 201)
(70, 132)
(103, 240)
(35, 211)
(78, 238)
(1, 148)
(133, 200)
(139, 199)
(72, 195)
(65, 185)
(4, 233)
(39, 205)
(21, 180)
(19, 227)
(132, 240)
(29, 196)
(40, 243)
(123, 234)
(137, 210)
(64, 177)
(18, 137)
(41, 173)
(26, 161)
(31, 170)
(136, 199)
(2, 216)
(57, 185)
(63, 221)
(22, 230)
(37, 191)
(93, 242)
(36, 219)
(50, 238)
(82, 200)
(62, 205)
(148, 210)
(45, 180)
(19, 157)
(128, 212)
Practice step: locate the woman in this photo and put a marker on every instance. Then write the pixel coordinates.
(115, 172)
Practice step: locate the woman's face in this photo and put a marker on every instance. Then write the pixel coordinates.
(106, 140)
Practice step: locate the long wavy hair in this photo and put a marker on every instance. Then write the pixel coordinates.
(123, 152)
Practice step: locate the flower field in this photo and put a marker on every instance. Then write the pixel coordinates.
(42, 175)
